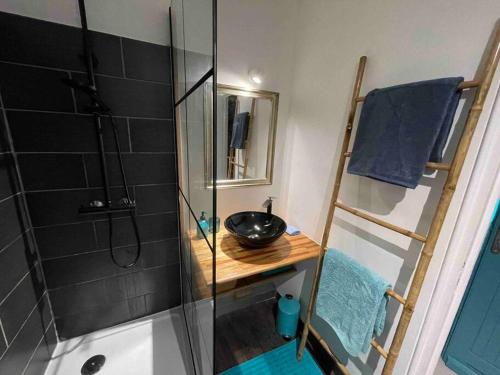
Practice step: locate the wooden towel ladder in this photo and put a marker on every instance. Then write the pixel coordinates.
(482, 85)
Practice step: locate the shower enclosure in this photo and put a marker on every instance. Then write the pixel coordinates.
(193, 36)
(102, 184)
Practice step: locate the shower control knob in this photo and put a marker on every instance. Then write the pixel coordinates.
(125, 202)
(96, 204)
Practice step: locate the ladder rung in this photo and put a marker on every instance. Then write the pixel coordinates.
(397, 297)
(438, 166)
(379, 348)
(464, 85)
(382, 223)
(469, 84)
(430, 164)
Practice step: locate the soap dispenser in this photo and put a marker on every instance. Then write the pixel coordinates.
(202, 226)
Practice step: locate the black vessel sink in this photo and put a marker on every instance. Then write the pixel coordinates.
(255, 229)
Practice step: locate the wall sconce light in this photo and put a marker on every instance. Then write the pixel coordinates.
(255, 76)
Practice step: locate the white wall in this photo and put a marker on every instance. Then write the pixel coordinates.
(258, 34)
(405, 41)
(145, 20)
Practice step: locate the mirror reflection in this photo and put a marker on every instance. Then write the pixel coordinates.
(246, 128)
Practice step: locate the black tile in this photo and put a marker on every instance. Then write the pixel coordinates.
(61, 132)
(16, 308)
(107, 52)
(43, 354)
(77, 299)
(15, 261)
(17, 356)
(151, 228)
(152, 135)
(60, 206)
(156, 198)
(106, 316)
(157, 302)
(4, 139)
(157, 280)
(52, 171)
(123, 233)
(50, 338)
(12, 220)
(131, 98)
(45, 312)
(60, 240)
(29, 41)
(3, 346)
(8, 178)
(160, 253)
(146, 61)
(84, 267)
(72, 299)
(55, 45)
(24, 87)
(140, 169)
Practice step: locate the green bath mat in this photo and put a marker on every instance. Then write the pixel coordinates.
(281, 360)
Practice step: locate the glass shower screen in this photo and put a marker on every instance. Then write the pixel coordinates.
(192, 40)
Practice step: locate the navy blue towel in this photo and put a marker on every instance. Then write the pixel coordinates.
(403, 127)
(240, 130)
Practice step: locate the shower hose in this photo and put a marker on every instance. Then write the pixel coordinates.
(127, 201)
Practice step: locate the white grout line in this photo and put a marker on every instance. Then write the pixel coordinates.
(24, 323)
(129, 135)
(85, 171)
(12, 63)
(4, 335)
(15, 286)
(73, 95)
(122, 58)
(86, 114)
(9, 244)
(44, 335)
(9, 197)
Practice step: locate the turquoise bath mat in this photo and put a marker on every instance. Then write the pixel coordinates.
(281, 360)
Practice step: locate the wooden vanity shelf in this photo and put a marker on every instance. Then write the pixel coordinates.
(239, 266)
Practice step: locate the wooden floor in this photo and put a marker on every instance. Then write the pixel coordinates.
(246, 333)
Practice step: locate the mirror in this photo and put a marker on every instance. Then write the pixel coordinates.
(246, 132)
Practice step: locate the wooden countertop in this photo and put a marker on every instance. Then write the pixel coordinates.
(236, 262)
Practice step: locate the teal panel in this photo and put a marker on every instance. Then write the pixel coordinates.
(281, 360)
(473, 346)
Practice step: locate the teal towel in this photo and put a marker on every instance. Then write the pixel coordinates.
(352, 300)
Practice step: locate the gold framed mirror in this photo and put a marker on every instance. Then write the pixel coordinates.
(246, 136)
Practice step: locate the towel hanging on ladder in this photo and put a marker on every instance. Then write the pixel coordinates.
(352, 300)
(403, 127)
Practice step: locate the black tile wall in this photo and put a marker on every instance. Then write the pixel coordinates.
(54, 45)
(26, 87)
(52, 171)
(132, 98)
(141, 168)
(146, 61)
(59, 132)
(152, 135)
(26, 320)
(55, 142)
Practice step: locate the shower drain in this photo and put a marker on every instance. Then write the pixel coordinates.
(93, 364)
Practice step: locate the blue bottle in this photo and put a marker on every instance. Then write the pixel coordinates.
(288, 317)
(202, 226)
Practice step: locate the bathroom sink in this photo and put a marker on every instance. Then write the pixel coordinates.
(255, 229)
